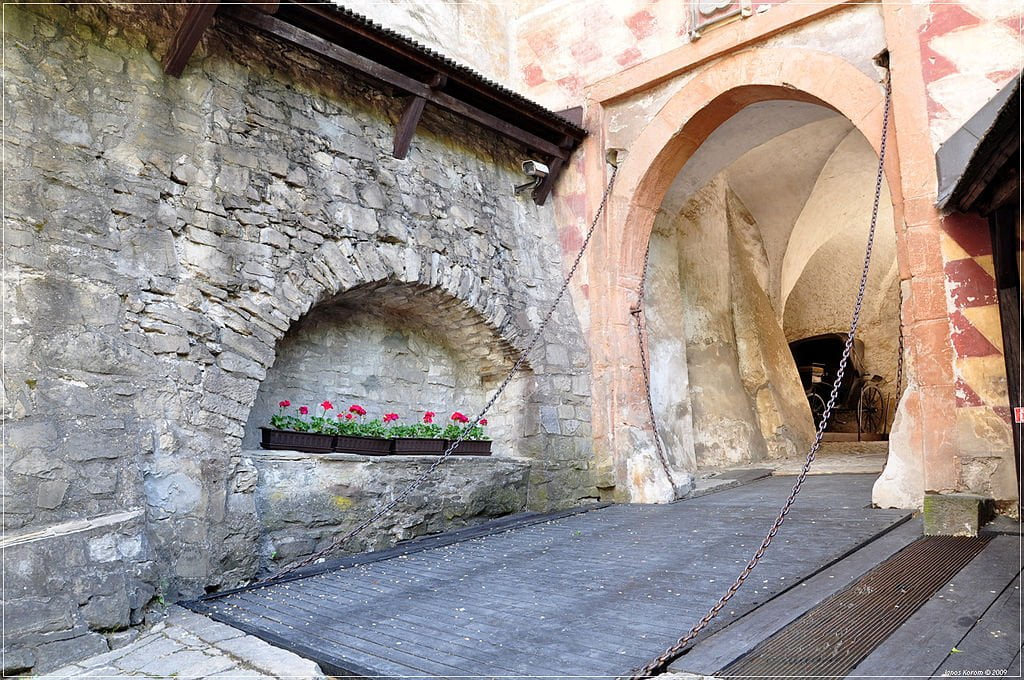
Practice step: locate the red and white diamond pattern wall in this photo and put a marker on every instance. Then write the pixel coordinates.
(969, 51)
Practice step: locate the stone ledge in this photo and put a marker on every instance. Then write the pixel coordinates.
(267, 454)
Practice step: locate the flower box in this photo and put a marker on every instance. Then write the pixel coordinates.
(480, 447)
(412, 446)
(366, 446)
(310, 442)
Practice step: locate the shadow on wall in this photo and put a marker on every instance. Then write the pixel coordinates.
(398, 348)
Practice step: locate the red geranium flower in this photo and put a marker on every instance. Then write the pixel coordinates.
(483, 421)
(342, 415)
(284, 403)
(303, 410)
(326, 405)
(348, 416)
(357, 409)
(459, 418)
(388, 417)
(428, 417)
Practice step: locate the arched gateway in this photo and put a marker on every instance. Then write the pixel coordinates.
(652, 163)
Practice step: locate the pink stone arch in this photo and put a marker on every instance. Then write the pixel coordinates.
(652, 162)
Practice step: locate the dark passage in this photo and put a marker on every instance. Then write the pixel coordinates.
(597, 593)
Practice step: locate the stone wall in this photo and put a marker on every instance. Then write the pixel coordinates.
(305, 500)
(164, 235)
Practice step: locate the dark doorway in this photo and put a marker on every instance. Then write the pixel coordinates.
(860, 406)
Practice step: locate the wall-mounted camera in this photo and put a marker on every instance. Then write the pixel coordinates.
(534, 169)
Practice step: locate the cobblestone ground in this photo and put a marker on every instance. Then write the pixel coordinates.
(840, 457)
(187, 645)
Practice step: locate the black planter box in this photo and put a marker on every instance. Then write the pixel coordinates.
(366, 446)
(287, 440)
(411, 446)
(471, 448)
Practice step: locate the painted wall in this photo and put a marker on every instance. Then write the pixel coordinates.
(475, 33)
(560, 47)
(966, 51)
(969, 50)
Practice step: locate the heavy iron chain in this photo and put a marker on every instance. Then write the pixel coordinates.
(899, 356)
(659, 663)
(640, 319)
(402, 495)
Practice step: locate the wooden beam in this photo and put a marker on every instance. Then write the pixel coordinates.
(384, 74)
(329, 15)
(407, 125)
(267, 6)
(1005, 250)
(198, 17)
(540, 193)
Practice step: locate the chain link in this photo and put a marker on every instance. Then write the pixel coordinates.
(394, 502)
(899, 357)
(641, 322)
(659, 663)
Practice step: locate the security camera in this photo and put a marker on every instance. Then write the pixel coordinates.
(535, 169)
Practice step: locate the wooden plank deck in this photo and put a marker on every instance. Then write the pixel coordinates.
(593, 594)
(717, 651)
(977, 612)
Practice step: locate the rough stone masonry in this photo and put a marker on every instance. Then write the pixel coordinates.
(161, 237)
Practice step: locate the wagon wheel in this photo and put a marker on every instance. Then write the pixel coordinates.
(817, 407)
(870, 410)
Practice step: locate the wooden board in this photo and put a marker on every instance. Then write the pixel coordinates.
(922, 644)
(722, 648)
(597, 593)
(993, 642)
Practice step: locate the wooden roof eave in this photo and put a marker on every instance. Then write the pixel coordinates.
(551, 136)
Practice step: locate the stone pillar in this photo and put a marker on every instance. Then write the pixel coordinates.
(946, 434)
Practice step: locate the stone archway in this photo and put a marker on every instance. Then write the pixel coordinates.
(395, 347)
(689, 117)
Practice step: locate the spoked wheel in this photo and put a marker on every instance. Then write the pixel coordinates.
(870, 408)
(817, 407)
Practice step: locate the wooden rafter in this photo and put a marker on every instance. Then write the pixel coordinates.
(198, 16)
(423, 77)
(406, 127)
(557, 165)
(400, 81)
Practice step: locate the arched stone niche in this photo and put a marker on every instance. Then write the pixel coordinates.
(394, 347)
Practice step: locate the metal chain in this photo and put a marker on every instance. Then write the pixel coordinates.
(394, 502)
(638, 316)
(899, 356)
(659, 663)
